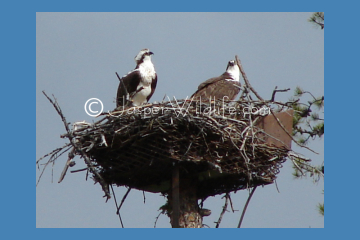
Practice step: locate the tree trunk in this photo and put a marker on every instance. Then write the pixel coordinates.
(189, 213)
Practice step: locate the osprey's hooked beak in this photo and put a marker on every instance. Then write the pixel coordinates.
(151, 53)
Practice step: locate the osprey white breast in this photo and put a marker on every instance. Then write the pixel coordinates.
(147, 71)
(137, 87)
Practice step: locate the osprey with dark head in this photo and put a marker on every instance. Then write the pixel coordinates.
(226, 86)
(137, 87)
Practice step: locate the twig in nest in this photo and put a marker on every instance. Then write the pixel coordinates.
(122, 225)
(67, 164)
(277, 188)
(103, 184)
(122, 200)
(277, 90)
(247, 83)
(122, 82)
(224, 210)
(156, 219)
(79, 170)
(53, 157)
(53, 151)
(245, 207)
(231, 204)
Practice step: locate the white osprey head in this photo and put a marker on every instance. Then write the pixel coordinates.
(233, 69)
(144, 54)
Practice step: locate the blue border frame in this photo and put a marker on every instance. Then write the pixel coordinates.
(18, 45)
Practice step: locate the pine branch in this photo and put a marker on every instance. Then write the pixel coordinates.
(318, 19)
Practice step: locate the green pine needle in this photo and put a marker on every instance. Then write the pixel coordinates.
(319, 102)
(298, 91)
(314, 116)
(321, 208)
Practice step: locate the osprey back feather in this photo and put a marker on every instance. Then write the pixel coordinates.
(227, 85)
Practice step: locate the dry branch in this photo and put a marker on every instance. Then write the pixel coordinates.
(79, 149)
(245, 207)
(247, 83)
(118, 213)
(223, 210)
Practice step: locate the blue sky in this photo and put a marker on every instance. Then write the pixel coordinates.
(77, 55)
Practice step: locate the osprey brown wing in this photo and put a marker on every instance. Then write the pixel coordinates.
(153, 86)
(127, 87)
(208, 82)
(218, 88)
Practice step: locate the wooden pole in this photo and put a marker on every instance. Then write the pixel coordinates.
(176, 197)
(182, 200)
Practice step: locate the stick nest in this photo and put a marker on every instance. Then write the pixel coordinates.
(215, 142)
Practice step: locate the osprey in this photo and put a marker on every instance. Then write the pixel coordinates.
(226, 85)
(137, 87)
